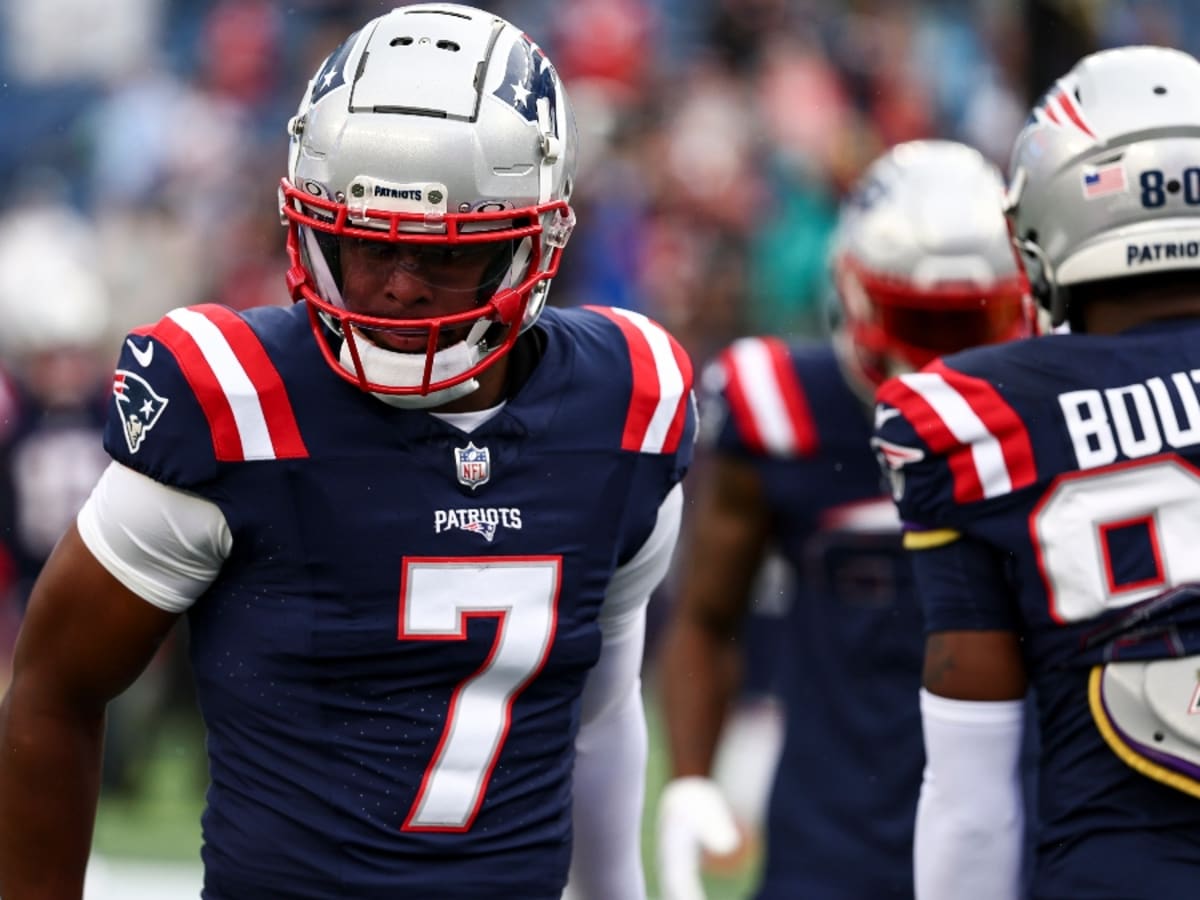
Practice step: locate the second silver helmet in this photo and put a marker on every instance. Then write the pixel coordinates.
(1105, 178)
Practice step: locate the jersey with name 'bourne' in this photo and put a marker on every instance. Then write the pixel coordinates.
(1055, 483)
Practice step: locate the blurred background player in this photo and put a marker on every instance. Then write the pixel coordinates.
(60, 314)
(922, 266)
(1050, 494)
(57, 310)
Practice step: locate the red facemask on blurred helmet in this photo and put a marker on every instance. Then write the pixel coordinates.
(922, 260)
(896, 326)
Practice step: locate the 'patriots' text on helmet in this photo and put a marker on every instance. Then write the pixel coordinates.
(922, 261)
(441, 131)
(1105, 177)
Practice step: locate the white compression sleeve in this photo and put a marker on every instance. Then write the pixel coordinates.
(609, 788)
(164, 544)
(970, 830)
(610, 751)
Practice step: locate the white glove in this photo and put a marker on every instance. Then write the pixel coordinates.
(693, 816)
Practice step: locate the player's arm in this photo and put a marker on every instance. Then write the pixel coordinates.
(84, 639)
(88, 632)
(970, 817)
(610, 751)
(969, 833)
(700, 661)
(700, 666)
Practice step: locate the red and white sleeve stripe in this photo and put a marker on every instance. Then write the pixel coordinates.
(662, 383)
(238, 387)
(766, 398)
(965, 419)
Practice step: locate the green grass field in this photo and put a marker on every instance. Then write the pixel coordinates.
(161, 821)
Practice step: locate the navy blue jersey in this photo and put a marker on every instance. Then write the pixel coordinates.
(1054, 486)
(390, 662)
(841, 813)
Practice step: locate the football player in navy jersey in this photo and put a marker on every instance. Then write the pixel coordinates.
(922, 266)
(413, 520)
(1051, 495)
(53, 405)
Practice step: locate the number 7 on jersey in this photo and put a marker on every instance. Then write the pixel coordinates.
(438, 596)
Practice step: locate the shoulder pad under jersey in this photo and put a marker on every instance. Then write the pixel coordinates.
(949, 440)
(196, 390)
(757, 397)
(650, 375)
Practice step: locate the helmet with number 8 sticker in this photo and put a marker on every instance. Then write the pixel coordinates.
(1105, 177)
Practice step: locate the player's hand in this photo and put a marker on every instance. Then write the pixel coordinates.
(693, 817)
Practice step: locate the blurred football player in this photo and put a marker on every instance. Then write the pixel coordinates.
(58, 310)
(1051, 499)
(922, 266)
(413, 519)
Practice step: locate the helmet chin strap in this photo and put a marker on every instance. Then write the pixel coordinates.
(396, 369)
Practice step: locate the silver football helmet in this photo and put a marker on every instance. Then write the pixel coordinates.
(439, 127)
(921, 259)
(1105, 177)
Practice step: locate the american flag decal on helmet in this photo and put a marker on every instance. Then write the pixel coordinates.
(1058, 107)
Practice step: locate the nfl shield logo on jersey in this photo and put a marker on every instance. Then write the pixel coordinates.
(473, 464)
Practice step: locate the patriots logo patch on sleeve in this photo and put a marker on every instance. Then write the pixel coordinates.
(138, 406)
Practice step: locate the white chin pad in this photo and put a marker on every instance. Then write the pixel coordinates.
(395, 369)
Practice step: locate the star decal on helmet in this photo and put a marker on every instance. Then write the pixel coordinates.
(529, 77)
(333, 70)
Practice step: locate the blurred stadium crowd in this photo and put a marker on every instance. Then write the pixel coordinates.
(144, 141)
(717, 134)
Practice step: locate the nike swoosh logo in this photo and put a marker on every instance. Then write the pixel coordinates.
(144, 357)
